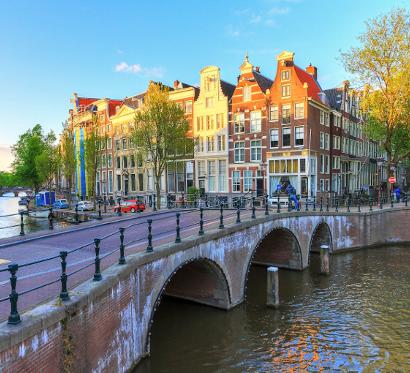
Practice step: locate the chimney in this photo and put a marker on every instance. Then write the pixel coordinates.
(257, 69)
(312, 70)
(176, 84)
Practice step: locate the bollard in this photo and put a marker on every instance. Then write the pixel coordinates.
(97, 273)
(266, 205)
(278, 208)
(289, 204)
(99, 210)
(238, 215)
(149, 247)
(119, 213)
(76, 214)
(221, 218)
(348, 204)
(178, 229)
(321, 204)
(50, 218)
(14, 317)
(64, 293)
(253, 208)
(359, 205)
(21, 224)
(370, 204)
(391, 201)
(324, 259)
(327, 204)
(122, 256)
(272, 292)
(306, 204)
(201, 222)
(405, 200)
(314, 203)
(105, 204)
(336, 204)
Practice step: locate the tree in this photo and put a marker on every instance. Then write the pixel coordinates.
(7, 179)
(159, 132)
(68, 158)
(34, 161)
(91, 156)
(382, 65)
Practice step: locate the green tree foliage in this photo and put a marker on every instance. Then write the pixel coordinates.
(7, 179)
(68, 158)
(159, 132)
(382, 65)
(36, 158)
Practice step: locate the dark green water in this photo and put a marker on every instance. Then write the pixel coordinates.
(357, 319)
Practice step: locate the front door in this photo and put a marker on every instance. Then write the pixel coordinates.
(126, 186)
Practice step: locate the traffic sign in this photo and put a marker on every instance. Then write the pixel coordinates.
(392, 180)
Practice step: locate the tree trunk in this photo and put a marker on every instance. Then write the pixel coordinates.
(390, 173)
(158, 192)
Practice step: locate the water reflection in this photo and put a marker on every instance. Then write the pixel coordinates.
(356, 319)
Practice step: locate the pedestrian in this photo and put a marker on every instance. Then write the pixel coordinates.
(292, 194)
(397, 192)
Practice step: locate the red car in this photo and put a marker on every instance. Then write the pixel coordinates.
(131, 205)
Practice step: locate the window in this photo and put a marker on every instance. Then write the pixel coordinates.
(219, 120)
(284, 75)
(286, 114)
(211, 176)
(327, 119)
(124, 144)
(256, 150)
(198, 121)
(255, 121)
(103, 161)
(285, 137)
(336, 142)
(327, 140)
(132, 161)
(103, 142)
(322, 117)
(236, 181)
(188, 107)
(221, 175)
(299, 110)
(119, 183)
(239, 123)
(141, 182)
(201, 142)
(247, 93)
(302, 163)
(327, 164)
(118, 162)
(210, 143)
(299, 136)
(208, 122)
(336, 162)
(133, 184)
(239, 151)
(322, 140)
(247, 180)
(274, 138)
(139, 160)
(110, 181)
(109, 160)
(274, 113)
(221, 143)
(209, 102)
(201, 168)
(322, 163)
(109, 143)
(117, 144)
(124, 162)
(210, 83)
(285, 90)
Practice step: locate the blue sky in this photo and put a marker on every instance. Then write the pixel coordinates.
(50, 49)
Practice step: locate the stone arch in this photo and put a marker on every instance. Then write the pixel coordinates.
(321, 235)
(199, 280)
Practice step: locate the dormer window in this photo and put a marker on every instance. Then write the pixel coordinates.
(284, 75)
(246, 93)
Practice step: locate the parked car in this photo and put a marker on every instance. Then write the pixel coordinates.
(61, 204)
(131, 205)
(85, 206)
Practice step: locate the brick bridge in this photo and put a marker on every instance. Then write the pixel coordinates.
(105, 326)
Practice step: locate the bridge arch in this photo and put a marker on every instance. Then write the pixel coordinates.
(200, 280)
(322, 235)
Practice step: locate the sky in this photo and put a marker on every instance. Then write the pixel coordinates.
(50, 49)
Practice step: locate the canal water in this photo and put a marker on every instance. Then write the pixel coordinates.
(10, 225)
(357, 319)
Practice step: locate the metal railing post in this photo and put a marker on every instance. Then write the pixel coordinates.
(14, 317)
(314, 203)
(221, 218)
(321, 204)
(253, 208)
(266, 205)
(238, 215)
(105, 204)
(348, 204)
(97, 273)
(327, 204)
(154, 205)
(121, 260)
(119, 213)
(99, 210)
(278, 207)
(405, 201)
(359, 205)
(178, 229)
(370, 204)
(149, 246)
(76, 214)
(391, 201)
(201, 221)
(21, 224)
(289, 204)
(64, 293)
(381, 202)
(306, 204)
(50, 218)
(336, 204)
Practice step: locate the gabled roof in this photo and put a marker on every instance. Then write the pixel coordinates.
(313, 86)
(334, 96)
(227, 88)
(133, 101)
(263, 82)
(112, 106)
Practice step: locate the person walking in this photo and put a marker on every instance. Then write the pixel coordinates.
(397, 192)
(292, 194)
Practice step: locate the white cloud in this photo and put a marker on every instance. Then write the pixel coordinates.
(276, 10)
(136, 68)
